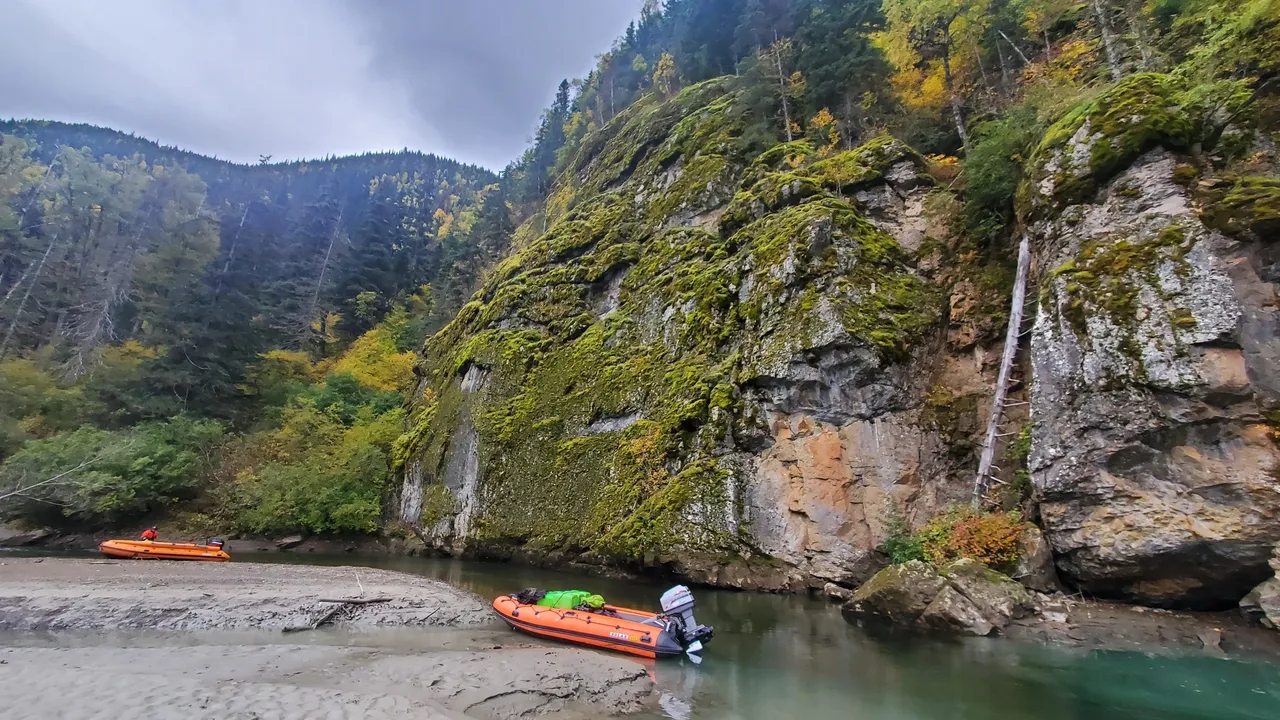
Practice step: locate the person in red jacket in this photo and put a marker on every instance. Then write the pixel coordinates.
(149, 534)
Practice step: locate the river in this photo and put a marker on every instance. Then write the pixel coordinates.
(782, 656)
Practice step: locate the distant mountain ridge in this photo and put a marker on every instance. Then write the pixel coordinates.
(51, 133)
(297, 255)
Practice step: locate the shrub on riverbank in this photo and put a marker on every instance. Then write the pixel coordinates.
(324, 467)
(960, 532)
(92, 477)
(315, 459)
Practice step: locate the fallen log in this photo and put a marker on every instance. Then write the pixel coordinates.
(339, 606)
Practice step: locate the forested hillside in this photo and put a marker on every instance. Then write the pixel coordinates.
(738, 310)
(155, 302)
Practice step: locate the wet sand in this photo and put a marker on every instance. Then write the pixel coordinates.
(283, 682)
(74, 594)
(160, 639)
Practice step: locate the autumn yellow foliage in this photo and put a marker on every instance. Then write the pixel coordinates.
(374, 360)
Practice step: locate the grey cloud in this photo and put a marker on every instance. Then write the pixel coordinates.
(481, 71)
(304, 78)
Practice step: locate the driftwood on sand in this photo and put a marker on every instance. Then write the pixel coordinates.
(338, 607)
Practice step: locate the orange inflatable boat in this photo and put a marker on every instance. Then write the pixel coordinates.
(670, 633)
(150, 549)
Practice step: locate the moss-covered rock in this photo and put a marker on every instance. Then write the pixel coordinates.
(1103, 136)
(998, 597)
(771, 193)
(1251, 204)
(964, 597)
(584, 401)
(783, 157)
(898, 593)
(843, 172)
(1109, 275)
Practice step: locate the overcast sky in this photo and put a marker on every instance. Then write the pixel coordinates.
(304, 78)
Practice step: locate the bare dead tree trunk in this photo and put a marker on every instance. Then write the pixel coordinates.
(231, 252)
(1017, 49)
(977, 55)
(92, 330)
(22, 221)
(956, 112)
(22, 490)
(1108, 41)
(1138, 28)
(26, 295)
(1005, 81)
(1006, 369)
(782, 91)
(82, 261)
(21, 279)
(324, 268)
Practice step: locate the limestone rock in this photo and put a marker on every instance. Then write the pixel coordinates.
(964, 597)
(1263, 603)
(755, 573)
(287, 543)
(1035, 568)
(999, 598)
(819, 494)
(952, 612)
(1155, 355)
(899, 593)
(832, 591)
(678, 234)
(11, 536)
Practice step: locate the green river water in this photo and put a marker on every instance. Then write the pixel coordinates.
(783, 656)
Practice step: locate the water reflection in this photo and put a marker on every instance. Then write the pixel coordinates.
(781, 656)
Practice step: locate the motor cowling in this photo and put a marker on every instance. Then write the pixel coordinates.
(677, 604)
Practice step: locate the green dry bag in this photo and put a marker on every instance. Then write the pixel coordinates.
(569, 599)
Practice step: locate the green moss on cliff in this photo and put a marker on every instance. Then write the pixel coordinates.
(1141, 112)
(641, 133)
(603, 357)
(842, 172)
(437, 504)
(1108, 276)
(409, 444)
(891, 309)
(770, 194)
(1252, 204)
(882, 151)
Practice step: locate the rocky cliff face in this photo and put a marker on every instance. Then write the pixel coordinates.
(739, 362)
(714, 359)
(1155, 359)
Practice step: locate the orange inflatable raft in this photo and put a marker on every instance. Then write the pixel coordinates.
(637, 632)
(152, 550)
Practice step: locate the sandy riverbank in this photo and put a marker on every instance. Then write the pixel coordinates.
(284, 682)
(76, 594)
(203, 640)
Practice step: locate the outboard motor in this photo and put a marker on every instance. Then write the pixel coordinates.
(216, 542)
(677, 603)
